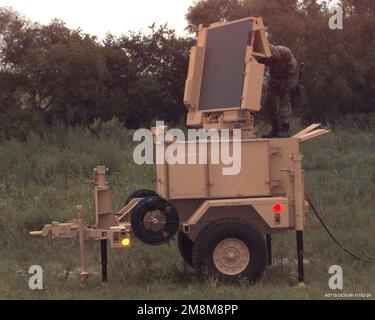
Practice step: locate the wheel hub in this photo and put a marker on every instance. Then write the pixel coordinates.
(154, 220)
(231, 256)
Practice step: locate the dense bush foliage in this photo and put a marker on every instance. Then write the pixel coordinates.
(50, 74)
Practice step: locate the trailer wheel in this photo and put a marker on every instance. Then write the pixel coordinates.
(154, 220)
(141, 193)
(230, 250)
(185, 246)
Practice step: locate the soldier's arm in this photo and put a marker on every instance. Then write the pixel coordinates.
(266, 61)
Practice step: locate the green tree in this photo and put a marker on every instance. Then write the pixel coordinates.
(209, 11)
(67, 76)
(58, 72)
(160, 59)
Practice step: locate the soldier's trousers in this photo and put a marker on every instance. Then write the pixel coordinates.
(277, 105)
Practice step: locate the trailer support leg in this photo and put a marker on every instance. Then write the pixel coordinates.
(269, 249)
(103, 251)
(301, 276)
(84, 275)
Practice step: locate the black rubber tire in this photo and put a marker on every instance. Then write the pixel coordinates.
(141, 193)
(154, 237)
(226, 228)
(185, 246)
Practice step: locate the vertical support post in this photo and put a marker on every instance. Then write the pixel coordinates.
(103, 251)
(104, 217)
(269, 249)
(103, 213)
(301, 275)
(84, 275)
(299, 212)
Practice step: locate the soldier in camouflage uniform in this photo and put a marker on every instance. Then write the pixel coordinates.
(284, 77)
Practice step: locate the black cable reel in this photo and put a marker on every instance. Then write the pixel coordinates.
(154, 220)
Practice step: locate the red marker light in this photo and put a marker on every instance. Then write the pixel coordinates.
(277, 207)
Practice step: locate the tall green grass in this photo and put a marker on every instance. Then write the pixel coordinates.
(42, 180)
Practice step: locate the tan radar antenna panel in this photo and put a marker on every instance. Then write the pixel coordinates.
(224, 83)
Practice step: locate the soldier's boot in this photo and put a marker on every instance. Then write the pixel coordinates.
(284, 132)
(274, 132)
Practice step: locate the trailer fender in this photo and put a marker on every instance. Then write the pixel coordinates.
(274, 211)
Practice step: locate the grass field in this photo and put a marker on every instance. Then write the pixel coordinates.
(42, 180)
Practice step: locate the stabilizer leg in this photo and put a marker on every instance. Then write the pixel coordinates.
(103, 251)
(301, 275)
(269, 249)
